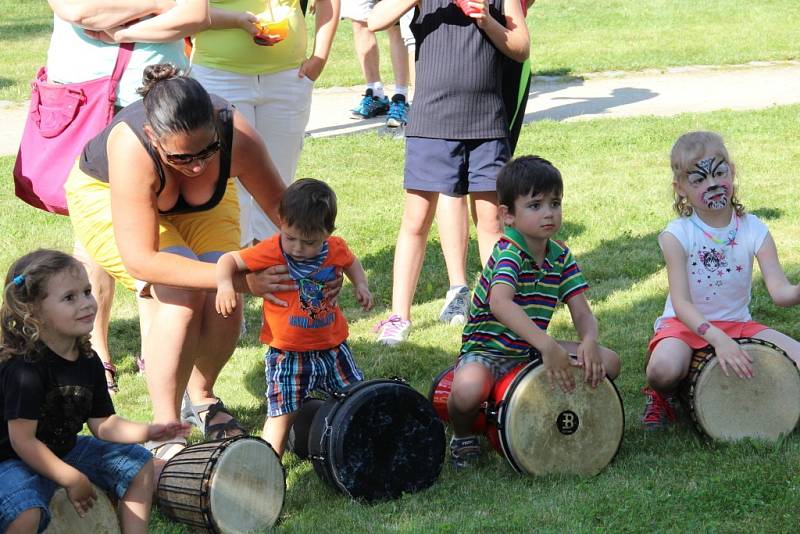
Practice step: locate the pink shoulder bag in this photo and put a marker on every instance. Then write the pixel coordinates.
(62, 118)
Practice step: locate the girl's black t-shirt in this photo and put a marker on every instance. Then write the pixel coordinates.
(61, 395)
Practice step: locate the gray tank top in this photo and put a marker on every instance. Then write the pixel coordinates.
(94, 158)
(459, 75)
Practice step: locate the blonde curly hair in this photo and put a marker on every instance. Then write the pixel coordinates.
(686, 152)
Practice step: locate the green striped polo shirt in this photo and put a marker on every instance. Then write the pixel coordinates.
(537, 291)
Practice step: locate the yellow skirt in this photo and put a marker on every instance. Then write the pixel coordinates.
(202, 232)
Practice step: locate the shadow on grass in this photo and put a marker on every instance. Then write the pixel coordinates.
(24, 31)
(767, 214)
(6, 82)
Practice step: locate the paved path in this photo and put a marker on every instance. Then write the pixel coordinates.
(655, 92)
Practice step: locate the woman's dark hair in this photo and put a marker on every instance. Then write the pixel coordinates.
(174, 103)
(25, 288)
(527, 176)
(310, 206)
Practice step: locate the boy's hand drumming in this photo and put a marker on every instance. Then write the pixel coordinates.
(588, 357)
(557, 362)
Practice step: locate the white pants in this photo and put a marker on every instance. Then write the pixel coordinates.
(278, 106)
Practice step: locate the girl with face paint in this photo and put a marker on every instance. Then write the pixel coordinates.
(709, 251)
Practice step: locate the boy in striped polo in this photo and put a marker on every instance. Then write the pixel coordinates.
(526, 276)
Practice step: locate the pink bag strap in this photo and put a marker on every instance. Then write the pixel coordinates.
(123, 58)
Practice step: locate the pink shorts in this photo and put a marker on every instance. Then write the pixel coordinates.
(672, 327)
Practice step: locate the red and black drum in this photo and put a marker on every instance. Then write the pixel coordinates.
(728, 408)
(373, 441)
(540, 430)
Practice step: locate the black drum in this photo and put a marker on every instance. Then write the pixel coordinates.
(297, 442)
(375, 440)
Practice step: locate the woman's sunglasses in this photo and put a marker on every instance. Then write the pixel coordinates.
(185, 159)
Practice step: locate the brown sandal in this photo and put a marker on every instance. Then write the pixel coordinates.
(218, 430)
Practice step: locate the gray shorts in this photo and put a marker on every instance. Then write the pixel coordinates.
(454, 167)
(498, 365)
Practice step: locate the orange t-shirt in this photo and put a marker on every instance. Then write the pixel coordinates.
(309, 322)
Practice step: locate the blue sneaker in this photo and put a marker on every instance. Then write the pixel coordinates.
(398, 112)
(371, 106)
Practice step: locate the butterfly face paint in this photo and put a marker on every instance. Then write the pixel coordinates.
(711, 183)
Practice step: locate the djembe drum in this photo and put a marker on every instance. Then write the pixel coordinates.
(729, 408)
(100, 519)
(540, 430)
(230, 486)
(373, 441)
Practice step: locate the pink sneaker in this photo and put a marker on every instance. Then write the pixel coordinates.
(393, 330)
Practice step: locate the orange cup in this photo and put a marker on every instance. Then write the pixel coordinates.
(270, 32)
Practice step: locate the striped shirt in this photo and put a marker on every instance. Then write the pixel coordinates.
(537, 291)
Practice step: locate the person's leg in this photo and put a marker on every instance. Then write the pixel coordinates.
(103, 291)
(453, 221)
(276, 431)
(412, 240)
(134, 506)
(472, 384)
(171, 346)
(667, 366)
(367, 52)
(399, 53)
(26, 523)
(788, 344)
(282, 110)
(487, 222)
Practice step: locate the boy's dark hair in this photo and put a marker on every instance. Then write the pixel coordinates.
(527, 176)
(310, 206)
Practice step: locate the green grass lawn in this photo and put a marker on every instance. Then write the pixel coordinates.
(568, 37)
(617, 199)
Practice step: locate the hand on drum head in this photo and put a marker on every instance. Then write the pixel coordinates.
(81, 494)
(558, 364)
(731, 355)
(588, 357)
(168, 431)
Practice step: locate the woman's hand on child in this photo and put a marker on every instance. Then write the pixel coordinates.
(164, 432)
(731, 356)
(588, 357)
(363, 296)
(557, 362)
(272, 280)
(225, 302)
(81, 494)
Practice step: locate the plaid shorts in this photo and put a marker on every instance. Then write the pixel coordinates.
(291, 376)
(498, 365)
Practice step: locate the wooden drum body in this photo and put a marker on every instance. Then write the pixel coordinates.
(100, 519)
(728, 408)
(233, 485)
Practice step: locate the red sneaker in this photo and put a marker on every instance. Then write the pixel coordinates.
(659, 410)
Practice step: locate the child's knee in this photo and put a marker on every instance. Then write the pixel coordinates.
(27, 521)
(611, 362)
(663, 373)
(144, 479)
(470, 388)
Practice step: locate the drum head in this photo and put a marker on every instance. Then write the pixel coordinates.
(101, 519)
(729, 408)
(247, 487)
(385, 441)
(546, 431)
